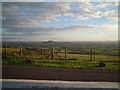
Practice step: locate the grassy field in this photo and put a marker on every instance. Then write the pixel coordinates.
(83, 64)
(77, 57)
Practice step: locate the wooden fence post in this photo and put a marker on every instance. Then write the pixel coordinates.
(94, 54)
(65, 53)
(20, 51)
(52, 52)
(41, 53)
(91, 54)
(6, 49)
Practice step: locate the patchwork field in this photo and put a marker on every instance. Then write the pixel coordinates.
(78, 55)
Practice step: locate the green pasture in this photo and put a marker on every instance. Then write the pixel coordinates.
(82, 64)
(81, 61)
(60, 55)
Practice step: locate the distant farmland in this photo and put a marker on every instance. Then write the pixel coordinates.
(83, 55)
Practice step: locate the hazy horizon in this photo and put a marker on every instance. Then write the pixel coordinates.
(68, 22)
(62, 41)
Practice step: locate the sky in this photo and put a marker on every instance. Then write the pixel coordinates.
(60, 21)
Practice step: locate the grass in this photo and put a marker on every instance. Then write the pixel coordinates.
(78, 55)
(87, 57)
(82, 64)
(73, 60)
(76, 64)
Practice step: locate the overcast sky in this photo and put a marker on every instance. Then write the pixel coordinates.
(43, 21)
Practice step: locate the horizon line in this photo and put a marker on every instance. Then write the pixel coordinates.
(62, 41)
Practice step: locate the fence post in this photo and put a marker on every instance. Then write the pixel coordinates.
(20, 51)
(52, 52)
(65, 53)
(94, 54)
(91, 54)
(6, 49)
(41, 53)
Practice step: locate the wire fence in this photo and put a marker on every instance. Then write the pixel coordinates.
(62, 54)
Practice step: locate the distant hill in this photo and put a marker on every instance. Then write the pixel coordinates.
(49, 42)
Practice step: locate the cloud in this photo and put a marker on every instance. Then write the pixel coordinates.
(23, 13)
(31, 14)
(46, 33)
(103, 5)
(113, 27)
(60, 0)
(28, 14)
(87, 10)
(89, 27)
(114, 18)
(80, 18)
(30, 18)
(110, 13)
(117, 3)
(47, 12)
(44, 30)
